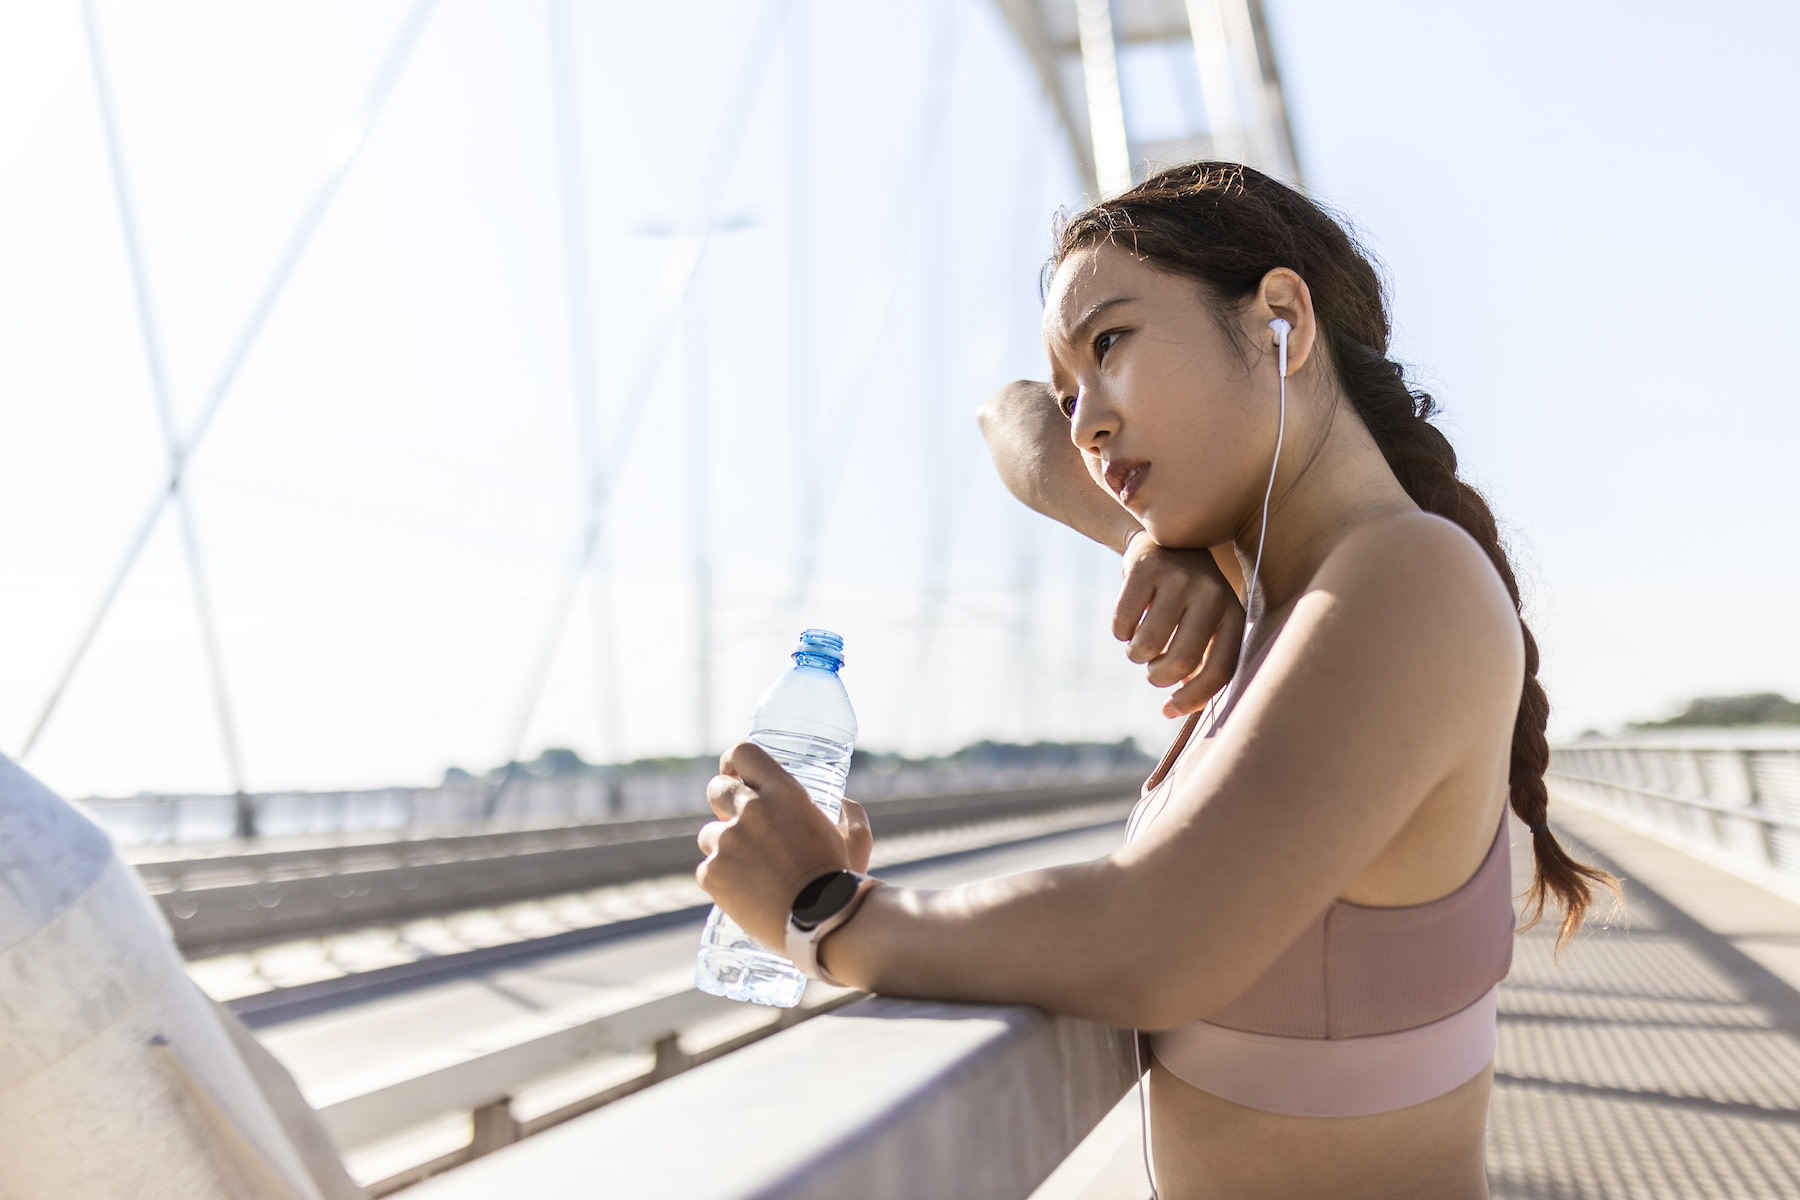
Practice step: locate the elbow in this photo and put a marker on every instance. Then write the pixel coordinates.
(1151, 1006)
(987, 416)
(1009, 403)
(1159, 993)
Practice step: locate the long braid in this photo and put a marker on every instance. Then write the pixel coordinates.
(1424, 462)
(1226, 226)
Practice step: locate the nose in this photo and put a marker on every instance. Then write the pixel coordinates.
(1094, 420)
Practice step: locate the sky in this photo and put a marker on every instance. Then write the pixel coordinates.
(1587, 215)
(1581, 209)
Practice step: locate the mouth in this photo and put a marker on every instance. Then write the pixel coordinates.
(1126, 478)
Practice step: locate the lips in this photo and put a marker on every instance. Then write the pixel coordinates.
(1125, 476)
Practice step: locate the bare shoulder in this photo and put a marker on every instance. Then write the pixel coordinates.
(1423, 580)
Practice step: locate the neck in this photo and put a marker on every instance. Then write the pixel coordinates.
(1337, 480)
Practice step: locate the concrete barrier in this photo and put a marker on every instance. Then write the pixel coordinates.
(220, 902)
(885, 1099)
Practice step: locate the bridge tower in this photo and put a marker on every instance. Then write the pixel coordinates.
(1215, 56)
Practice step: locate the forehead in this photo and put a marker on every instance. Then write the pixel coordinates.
(1096, 274)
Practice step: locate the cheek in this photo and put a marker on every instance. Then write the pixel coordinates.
(1218, 459)
(1092, 463)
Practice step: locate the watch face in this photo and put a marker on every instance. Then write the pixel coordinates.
(823, 897)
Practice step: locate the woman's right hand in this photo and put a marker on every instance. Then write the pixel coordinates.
(1180, 619)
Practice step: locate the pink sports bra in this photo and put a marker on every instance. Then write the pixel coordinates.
(1367, 1010)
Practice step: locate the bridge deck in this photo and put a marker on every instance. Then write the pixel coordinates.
(1659, 1060)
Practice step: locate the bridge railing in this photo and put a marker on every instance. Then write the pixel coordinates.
(1730, 797)
(222, 901)
(530, 802)
(884, 1099)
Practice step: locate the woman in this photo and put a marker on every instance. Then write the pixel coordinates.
(1312, 910)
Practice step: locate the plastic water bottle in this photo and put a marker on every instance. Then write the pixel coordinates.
(806, 724)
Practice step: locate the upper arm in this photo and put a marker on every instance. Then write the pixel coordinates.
(1401, 660)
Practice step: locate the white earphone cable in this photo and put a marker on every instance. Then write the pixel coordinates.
(1252, 595)
(1250, 614)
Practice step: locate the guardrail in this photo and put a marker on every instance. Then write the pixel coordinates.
(485, 1082)
(883, 1099)
(477, 806)
(1732, 798)
(215, 903)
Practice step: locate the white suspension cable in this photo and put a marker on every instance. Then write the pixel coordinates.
(159, 389)
(680, 266)
(345, 146)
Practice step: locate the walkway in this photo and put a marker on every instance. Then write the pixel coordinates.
(1659, 1060)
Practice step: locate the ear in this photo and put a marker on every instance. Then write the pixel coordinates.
(1284, 294)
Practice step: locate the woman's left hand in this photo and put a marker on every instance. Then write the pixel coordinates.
(769, 842)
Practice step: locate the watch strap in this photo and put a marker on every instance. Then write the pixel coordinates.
(803, 944)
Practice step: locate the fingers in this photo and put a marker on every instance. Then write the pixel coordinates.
(859, 839)
(750, 763)
(1194, 628)
(1180, 618)
(755, 774)
(1215, 669)
(710, 833)
(1135, 594)
(725, 795)
(1157, 627)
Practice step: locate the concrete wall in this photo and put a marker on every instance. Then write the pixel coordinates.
(886, 1099)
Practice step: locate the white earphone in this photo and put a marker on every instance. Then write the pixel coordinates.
(1252, 595)
(1281, 329)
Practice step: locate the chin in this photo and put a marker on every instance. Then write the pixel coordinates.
(1174, 535)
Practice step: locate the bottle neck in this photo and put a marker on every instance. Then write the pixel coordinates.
(819, 662)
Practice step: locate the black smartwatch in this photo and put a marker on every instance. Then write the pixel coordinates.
(823, 897)
(823, 905)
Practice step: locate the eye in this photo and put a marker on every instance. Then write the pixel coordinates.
(1105, 342)
(1067, 405)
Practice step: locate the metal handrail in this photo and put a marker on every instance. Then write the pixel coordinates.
(1738, 803)
(1761, 816)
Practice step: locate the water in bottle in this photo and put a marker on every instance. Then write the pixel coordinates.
(806, 724)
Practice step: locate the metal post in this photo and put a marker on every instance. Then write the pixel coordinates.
(1105, 104)
(699, 504)
(583, 379)
(492, 1127)
(344, 148)
(666, 303)
(1212, 53)
(803, 346)
(165, 412)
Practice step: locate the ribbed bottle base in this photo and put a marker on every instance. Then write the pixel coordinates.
(750, 976)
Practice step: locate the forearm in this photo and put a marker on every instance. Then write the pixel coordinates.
(1029, 441)
(1061, 939)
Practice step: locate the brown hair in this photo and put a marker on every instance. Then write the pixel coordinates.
(1226, 226)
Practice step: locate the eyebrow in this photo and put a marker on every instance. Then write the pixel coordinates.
(1078, 331)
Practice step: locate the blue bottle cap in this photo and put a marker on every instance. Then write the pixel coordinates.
(821, 643)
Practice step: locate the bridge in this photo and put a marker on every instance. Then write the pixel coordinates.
(483, 987)
(533, 1028)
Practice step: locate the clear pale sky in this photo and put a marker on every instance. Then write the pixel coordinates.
(1584, 211)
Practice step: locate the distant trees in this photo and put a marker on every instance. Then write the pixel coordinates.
(561, 763)
(1758, 708)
